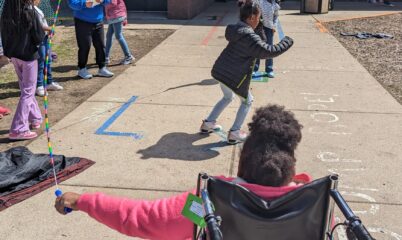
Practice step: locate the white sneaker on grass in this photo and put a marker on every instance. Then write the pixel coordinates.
(84, 74)
(54, 86)
(128, 60)
(103, 72)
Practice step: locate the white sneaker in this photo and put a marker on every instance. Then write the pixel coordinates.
(208, 127)
(84, 74)
(128, 60)
(54, 86)
(40, 91)
(103, 72)
(107, 61)
(237, 137)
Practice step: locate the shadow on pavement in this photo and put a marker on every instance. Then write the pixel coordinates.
(180, 146)
(205, 82)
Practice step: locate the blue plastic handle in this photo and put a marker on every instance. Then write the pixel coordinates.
(59, 193)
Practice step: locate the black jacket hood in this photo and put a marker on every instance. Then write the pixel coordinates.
(234, 32)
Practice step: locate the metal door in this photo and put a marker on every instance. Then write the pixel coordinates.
(147, 5)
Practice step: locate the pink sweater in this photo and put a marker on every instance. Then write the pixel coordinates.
(116, 9)
(159, 219)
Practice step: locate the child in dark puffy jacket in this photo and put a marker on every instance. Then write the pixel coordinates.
(234, 68)
(22, 33)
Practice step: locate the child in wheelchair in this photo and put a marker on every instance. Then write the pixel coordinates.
(267, 168)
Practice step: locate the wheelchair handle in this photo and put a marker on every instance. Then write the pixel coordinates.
(354, 223)
(359, 230)
(213, 231)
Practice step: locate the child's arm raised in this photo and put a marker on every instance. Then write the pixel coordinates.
(260, 49)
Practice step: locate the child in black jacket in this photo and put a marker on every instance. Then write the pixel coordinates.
(21, 32)
(234, 67)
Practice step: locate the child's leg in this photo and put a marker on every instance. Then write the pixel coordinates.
(257, 65)
(27, 109)
(98, 40)
(118, 30)
(83, 33)
(222, 104)
(269, 63)
(242, 112)
(49, 70)
(109, 40)
(41, 64)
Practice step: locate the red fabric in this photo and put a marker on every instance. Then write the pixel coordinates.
(16, 197)
(4, 111)
(116, 9)
(158, 219)
(270, 193)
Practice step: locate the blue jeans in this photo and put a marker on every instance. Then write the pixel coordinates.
(228, 96)
(43, 49)
(117, 30)
(269, 63)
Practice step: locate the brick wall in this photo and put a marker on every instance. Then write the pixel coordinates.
(186, 9)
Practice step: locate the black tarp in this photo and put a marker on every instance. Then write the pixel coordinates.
(24, 174)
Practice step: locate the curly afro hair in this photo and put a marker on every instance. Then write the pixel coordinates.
(267, 157)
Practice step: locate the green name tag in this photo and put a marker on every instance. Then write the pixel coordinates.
(194, 211)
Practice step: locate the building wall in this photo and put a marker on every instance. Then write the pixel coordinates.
(186, 9)
(177, 9)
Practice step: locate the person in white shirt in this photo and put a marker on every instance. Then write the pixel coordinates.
(43, 49)
(270, 14)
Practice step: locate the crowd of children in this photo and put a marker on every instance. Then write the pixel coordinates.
(267, 161)
(25, 33)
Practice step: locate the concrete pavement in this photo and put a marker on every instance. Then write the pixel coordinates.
(352, 126)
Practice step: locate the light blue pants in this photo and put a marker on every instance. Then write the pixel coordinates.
(228, 96)
(117, 30)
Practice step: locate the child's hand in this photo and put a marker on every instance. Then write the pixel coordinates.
(93, 3)
(125, 22)
(4, 61)
(89, 4)
(68, 200)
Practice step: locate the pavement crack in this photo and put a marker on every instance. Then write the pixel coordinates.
(346, 111)
(378, 203)
(232, 161)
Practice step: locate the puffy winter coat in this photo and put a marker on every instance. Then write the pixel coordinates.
(24, 45)
(236, 63)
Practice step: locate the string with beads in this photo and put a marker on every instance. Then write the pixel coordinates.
(58, 192)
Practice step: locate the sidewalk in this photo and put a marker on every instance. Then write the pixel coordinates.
(352, 126)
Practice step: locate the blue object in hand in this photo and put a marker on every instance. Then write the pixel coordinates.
(59, 193)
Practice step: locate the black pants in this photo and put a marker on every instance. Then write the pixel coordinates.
(86, 33)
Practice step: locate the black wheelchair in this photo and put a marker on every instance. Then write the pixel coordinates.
(232, 212)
